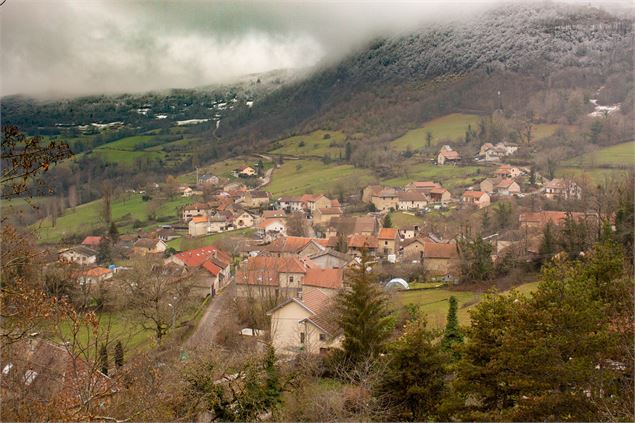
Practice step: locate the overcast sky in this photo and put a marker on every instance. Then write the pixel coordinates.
(91, 46)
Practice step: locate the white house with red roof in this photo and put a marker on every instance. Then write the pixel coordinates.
(306, 324)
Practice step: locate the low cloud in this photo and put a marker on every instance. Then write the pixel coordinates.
(71, 47)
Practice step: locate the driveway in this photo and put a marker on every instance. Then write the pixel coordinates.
(211, 322)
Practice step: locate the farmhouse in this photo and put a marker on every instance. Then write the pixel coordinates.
(440, 259)
(92, 241)
(210, 259)
(507, 171)
(477, 199)
(256, 199)
(198, 226)
(247, 172)
(193, 210)
(242, 220)
(422, 186)
(323, 216)
(412, 200)
(94, 275)
(271, 278)
(564, 189)
(312, 202)
(388, 239)
(500, 186)
(440, 195)
(447, 155)
(386, 199)
(305, 325)
(329, 281)
(146, 246)
(507, 187)
(80, 254)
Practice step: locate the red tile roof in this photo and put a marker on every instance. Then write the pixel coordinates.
(293, 244)
(387, 233)
(212, 268)
(92, 241)
(265, 270)
(450, 155)
(324, 278)
(198, 256)
(362, 241)
(441, 251)
(316, 300)
(505, 183)
(199, 219)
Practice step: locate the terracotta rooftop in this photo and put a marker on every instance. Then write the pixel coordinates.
(387, 233)
(362, 241)
(441, 251)
(92, 241)
(473, 194)
(293, 244)
(324, 278)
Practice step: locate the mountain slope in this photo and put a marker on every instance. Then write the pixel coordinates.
(398, 82)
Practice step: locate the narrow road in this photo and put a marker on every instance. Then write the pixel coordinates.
(266, 179)
(211, 323)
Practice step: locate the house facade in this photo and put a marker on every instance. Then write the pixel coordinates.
(478, 199)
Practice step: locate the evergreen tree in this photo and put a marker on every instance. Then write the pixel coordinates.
(387, 221)
(273, 389)
(118, 354)
(341, 244)
(475, 255)
(104, 254)
(113, 233)
(413, 385)
(547, 356)
(486, 220)
(532, 176)
(103, 359)
(548, 245)
(348, 151)
(453, 334)
(363, 314)
(428, 139)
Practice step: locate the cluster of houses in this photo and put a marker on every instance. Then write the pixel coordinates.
(413, 196)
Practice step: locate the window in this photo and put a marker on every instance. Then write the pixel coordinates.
(322, 337)
(302, 336)
(290, 279)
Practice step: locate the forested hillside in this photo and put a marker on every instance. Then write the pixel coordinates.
(523, 51)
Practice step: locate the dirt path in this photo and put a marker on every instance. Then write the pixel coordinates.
(211, 322)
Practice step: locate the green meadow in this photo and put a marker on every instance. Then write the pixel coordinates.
(87, 217)
(317, 143)
(296, 177)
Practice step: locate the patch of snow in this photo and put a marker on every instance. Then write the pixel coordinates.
(601, 111)
(190, 122)
(143, 111)
(249, 103)
(161, 116)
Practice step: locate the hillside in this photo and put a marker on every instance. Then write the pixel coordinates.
(397, 83)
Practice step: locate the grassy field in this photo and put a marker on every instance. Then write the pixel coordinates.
(452, 126)
(127, 143)
(125, 156)
(400, 219)
(615, 155)
(185, 142)
(314, 144)
(596, 175)
(434, 302)
(86, 217)
(449, 176)
(183, 244)
(296, 177)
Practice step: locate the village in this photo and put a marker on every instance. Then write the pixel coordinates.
(290, 255)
